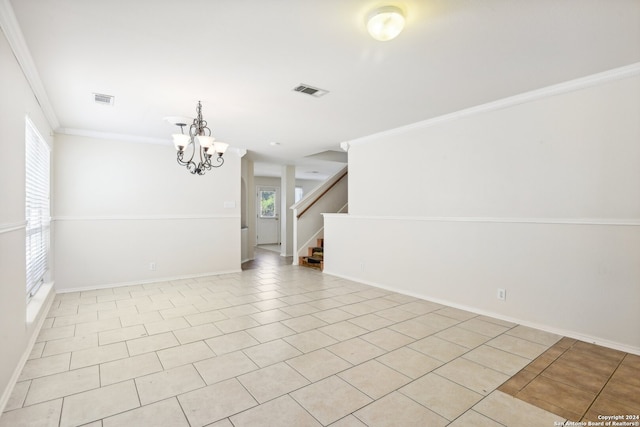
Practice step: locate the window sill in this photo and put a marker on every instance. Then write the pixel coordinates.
(38, 301)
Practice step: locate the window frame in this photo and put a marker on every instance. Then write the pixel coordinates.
(37, 207)
(274, 191)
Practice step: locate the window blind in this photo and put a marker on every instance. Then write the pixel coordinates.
(38, 217)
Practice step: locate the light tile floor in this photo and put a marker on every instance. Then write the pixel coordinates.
(276, 345)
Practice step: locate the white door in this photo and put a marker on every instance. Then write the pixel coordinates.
(268, 229)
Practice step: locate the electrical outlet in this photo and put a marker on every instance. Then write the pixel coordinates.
(152, 266)
(502, 294)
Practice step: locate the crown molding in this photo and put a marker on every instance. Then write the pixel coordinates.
(13, 33)
(130, 138)
(557, 89)
(113, 136)
(241, 152)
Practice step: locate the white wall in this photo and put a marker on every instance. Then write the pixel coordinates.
(539, 197)
(121, 205)
(17, 100)
(307, 185)
(567, 156)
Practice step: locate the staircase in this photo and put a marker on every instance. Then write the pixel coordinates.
(315, 257)
(308, 222)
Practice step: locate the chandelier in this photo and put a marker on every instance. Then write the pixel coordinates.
(199, 140)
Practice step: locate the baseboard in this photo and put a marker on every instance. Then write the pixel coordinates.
(41, 316)
(558, 331)
(145, 282)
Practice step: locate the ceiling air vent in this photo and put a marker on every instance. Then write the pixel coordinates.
(103, 99)
(310, 90)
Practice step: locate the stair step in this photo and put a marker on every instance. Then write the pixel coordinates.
(311, 262)
(315, 252)
(315, 258)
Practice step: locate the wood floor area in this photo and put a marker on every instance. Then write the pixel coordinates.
(581, 382)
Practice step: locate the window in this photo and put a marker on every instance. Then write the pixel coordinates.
(267, 203)
(299, 194)
(37, 158)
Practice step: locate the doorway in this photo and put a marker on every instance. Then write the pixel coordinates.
(268, 222)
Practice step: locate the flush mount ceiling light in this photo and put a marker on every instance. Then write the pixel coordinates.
(198, 140)
(385, 23)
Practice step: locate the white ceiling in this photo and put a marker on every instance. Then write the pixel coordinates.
(242, 58)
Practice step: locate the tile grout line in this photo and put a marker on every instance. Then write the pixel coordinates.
(61, 409)
(603, 387)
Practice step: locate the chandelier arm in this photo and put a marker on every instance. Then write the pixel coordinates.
(220, 161)
(192, 168)
(180, 160)
(189, 164)
(191, 144)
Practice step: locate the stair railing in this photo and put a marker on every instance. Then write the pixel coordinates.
(322, 194)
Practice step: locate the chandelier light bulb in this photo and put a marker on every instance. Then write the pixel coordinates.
(220, 147)
(180, 140)
(385, 23)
